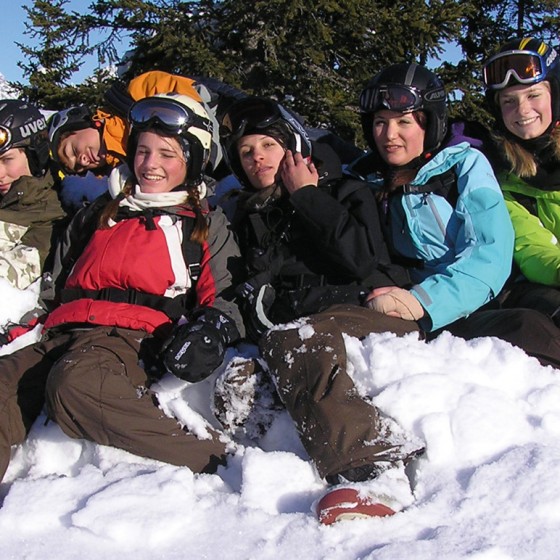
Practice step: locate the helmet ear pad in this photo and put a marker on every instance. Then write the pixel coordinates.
(436, 130)
(196, 157)
(555, 98)
(38, 157)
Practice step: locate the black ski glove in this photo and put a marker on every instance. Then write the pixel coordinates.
(256, 301)
(194, 350)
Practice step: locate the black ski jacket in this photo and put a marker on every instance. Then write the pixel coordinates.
(317, 247)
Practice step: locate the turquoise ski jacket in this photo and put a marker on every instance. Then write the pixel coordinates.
(465, 249)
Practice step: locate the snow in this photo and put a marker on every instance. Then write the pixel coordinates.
(486, 488)
(6, 90)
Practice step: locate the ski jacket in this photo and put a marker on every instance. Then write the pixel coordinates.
(462, 247)
(130, 274)
(535, 214)
(319, 246)
(29, 213)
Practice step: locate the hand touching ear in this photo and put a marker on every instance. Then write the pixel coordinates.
(296, 173)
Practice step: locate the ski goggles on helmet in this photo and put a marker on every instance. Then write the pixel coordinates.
(5, 139)
(526, 67)
(164, 114)
(394, 97)
(252, 114)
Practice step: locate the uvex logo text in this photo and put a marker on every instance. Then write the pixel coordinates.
(32, 128)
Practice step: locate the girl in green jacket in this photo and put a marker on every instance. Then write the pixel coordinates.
(523, 91)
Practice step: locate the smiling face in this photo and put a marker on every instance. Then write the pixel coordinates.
(81, 150)
(159, 163)
(260, 158)
(526, 110)
(13, 165)
(398, 137)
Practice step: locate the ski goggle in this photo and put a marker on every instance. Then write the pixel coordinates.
(526, 67)
(394, 97)
(165, 114)
(5, 139)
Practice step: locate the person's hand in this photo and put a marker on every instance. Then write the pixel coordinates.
(256, 301)
(195, 349)
(296, 172)
(395, 302)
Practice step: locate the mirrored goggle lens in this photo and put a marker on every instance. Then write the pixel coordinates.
(163, 113)
(5, 138)
(249, 114)
(526, 68)
(393, 97)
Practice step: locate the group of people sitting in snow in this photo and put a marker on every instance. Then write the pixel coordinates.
(188, 220)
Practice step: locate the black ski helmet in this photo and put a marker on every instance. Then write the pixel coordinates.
(72, 119)
(22, 125)
(179, 116)
(406, 88)
(258, 115)
(522, 62)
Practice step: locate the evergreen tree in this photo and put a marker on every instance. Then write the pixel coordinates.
(317, 57)
(314, 57)
(63, 43)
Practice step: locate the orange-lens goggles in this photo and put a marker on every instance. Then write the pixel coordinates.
(523, 66)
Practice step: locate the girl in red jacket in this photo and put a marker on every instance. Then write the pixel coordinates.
(143, 279)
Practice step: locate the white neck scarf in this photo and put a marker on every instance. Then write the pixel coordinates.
(139, 200)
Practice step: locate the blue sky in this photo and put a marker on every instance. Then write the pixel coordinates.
(12, 27)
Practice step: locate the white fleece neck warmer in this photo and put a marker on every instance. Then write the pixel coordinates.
(139, 200)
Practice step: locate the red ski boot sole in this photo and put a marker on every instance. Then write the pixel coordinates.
(346, 503)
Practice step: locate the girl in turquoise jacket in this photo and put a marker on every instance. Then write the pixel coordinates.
(443, 208)
(523, 92)
(445, 216)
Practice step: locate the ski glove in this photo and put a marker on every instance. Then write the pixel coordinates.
(396, 302)
(256, 301)
(195, 349)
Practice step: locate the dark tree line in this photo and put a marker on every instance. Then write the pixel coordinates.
(313, 56)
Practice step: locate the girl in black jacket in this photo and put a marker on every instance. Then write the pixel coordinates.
(309, 236)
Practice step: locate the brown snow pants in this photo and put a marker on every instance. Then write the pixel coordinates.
(23, 376)
(338, 428)
(96, 390)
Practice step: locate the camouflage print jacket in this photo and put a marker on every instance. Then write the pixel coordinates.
(28, 214)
